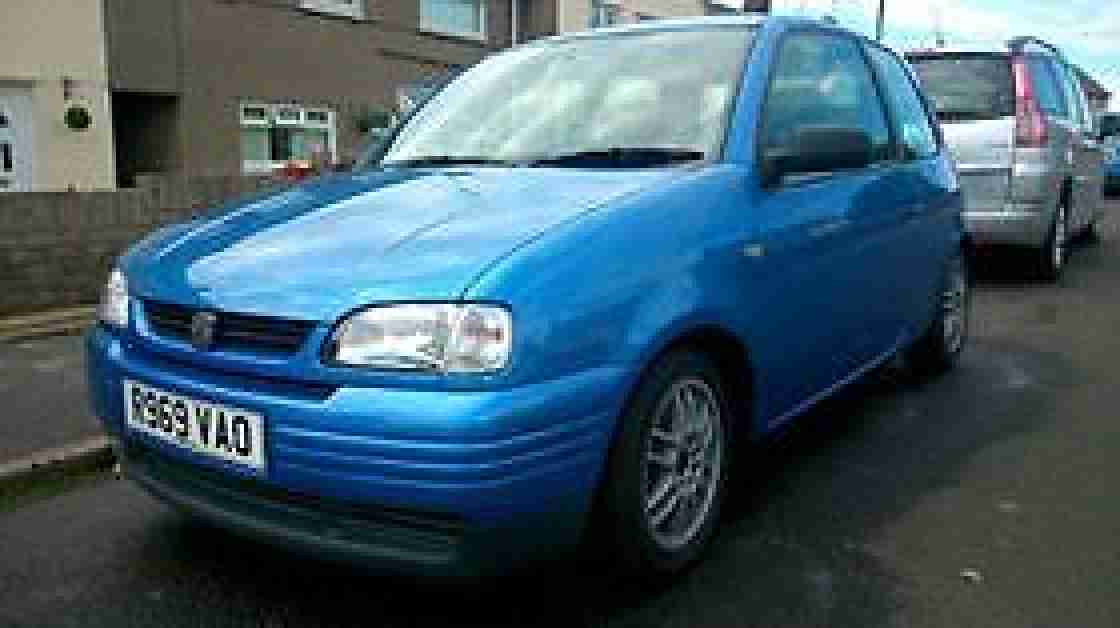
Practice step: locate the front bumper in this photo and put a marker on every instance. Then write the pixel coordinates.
(1022, 224)
(429, 482)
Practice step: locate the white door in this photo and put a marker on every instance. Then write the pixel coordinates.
(15, 141)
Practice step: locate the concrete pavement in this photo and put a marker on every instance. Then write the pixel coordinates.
(45, 422)
(43, 388)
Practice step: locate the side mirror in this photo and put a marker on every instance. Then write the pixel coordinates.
(818, 148)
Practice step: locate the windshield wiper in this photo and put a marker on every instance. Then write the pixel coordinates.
(622, 156)
(446, 160)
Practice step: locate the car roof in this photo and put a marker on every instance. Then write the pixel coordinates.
(958, 50)
(691, 23)
(1038, 46)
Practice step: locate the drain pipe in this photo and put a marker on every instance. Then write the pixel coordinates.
(513, 22)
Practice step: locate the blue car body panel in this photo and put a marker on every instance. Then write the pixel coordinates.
(602, 268)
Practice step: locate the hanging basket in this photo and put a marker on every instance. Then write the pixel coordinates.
(78, 118)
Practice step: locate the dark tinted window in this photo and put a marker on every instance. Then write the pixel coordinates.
(1110, 124)
(911, 119)
(1047, 87)
(823, 80)
(967, 86)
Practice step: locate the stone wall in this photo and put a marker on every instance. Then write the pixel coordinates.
(56, 247)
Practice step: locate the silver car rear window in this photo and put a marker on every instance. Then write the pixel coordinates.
(967, 86)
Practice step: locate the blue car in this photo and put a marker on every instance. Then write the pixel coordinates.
(572, 288)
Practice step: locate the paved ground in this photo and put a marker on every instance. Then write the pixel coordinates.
(865, 517)
(43, 389)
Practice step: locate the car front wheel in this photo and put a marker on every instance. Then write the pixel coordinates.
(666, 475)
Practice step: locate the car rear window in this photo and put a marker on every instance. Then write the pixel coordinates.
(967, 86)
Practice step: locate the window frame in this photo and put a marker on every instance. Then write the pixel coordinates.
(915, 87)
(355, 10)
(611, 9)
(764, 114)
(269, 166)
(483, 15)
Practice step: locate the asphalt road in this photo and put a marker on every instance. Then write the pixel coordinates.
(868, 515)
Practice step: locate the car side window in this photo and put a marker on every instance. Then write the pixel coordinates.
(1084, 117)
(912, 124)
(821, 79)
(1047, 88)
(1069, 88)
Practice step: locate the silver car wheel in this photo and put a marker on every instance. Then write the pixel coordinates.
(954, 311)
(682, 464)
(1058, 244)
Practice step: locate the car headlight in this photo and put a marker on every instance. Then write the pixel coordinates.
(113, 308)
(441, 337)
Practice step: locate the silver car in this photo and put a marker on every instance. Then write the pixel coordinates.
(1029, 156)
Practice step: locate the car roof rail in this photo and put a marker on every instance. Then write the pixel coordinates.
(1024, 44)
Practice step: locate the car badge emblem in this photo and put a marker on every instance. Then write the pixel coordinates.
(203, 325)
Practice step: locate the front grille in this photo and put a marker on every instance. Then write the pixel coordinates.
(232, 331)
(420, 536)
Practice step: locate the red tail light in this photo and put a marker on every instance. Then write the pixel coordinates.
(1030, 126)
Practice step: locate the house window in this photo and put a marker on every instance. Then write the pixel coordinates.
(273, 136)
(455, 17)
(604, 14)
(346, 8)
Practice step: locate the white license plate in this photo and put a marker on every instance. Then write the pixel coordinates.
(206, 428)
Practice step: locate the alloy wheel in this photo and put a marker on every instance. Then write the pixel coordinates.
(954, 311)
(1058, 243)
(682, 462)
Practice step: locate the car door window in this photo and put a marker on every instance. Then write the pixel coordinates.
(1047, 88)
(911, 118)
(1072, 92)
(1086, 116)
(822, 79)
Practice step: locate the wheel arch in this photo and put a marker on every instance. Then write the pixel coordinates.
(732, 359)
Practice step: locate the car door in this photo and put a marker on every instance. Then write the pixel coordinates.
(1054, 99)
(1088, 154)
(922, 233)
(11, 178)
(15, 139)
(823, 238)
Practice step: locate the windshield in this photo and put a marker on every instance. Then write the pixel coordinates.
(663, 93)
(967, 86)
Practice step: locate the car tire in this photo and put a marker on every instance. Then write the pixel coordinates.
(939, 348)
(1091, 234)
(1055, 251)
(666, 475)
